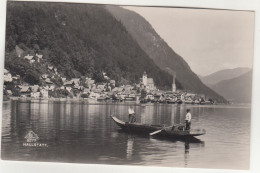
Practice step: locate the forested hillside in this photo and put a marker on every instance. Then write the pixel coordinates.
(78, 39)
(159, 51)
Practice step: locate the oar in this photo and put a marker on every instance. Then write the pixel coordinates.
(158, 131)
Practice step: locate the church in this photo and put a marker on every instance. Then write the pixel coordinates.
(147, 82)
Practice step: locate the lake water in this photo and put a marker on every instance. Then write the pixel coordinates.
(81, 133)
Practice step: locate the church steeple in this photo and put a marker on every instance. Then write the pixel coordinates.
(145, 78)
(173, 82)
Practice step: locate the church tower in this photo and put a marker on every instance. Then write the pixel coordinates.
(145, 79)
(173, 82)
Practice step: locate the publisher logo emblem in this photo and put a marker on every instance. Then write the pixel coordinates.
(31, 137)
(31, 140)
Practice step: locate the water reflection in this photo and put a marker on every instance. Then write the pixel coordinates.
(82, 133)
(129, 148)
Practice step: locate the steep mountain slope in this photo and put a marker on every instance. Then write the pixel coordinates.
(238, 89)
(226, 74)
(78, 39)
(159, 51)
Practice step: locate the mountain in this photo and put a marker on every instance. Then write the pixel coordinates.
(158, 50)
(237, 90)
(226, 74)
(77, 39)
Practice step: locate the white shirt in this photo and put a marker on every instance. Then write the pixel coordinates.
(188, 116)
(131, 111)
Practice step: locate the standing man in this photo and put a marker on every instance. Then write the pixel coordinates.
(188, 119)
(131, 114)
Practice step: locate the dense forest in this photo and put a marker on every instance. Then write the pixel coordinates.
(78, 39)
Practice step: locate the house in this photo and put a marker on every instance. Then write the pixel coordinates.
(39, 57)
(48, 81)
(76, 81)
(17, 77)
(35, 94)
(105, 76)
(28, 57)
(93, 86)
(51, 87)
(158, 93)
(122, 96)
(69, 83)
(63, 79)
(7, 76)
(132, 94)
(68, 88)
(89, 82)
(110, 94)
(44, 76)
(94, 96)
(25, 90)
(80, 88)
(18, 51)
(101, 87)
(50, 67)
(150, 96)
(34, 88)
(44, 93)
(31, 58)
(188, 99)
(96, 90)
(128, 88)
(115, 89)
(113, 82)
(55, 70)
(121, 89)
(109, 88)
(9, 92)
(86, 90)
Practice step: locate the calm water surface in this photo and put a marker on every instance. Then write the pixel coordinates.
(76, 132)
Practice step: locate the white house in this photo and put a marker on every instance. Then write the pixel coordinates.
(7, 76)
(44, 93)
(35, 94)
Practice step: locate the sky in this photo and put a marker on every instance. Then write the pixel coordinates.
(208, 40)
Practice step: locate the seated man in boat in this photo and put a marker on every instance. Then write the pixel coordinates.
(131, 114)
(188, 119)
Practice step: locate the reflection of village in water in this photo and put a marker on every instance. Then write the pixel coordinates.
(79, 132)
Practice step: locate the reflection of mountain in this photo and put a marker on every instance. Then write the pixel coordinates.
(226, 74)
(159, 51)
(238, 89)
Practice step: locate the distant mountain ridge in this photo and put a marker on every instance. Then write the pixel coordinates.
(238, 90)
(226, 74)
(159, 51)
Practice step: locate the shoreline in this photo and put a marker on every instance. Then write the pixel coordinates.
(104, 102)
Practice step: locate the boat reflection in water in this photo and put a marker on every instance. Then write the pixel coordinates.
(85, 133)
(129, 148)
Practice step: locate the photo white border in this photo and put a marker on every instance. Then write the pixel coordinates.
(43, 167)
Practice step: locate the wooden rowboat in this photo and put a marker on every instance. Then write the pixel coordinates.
(176, 130)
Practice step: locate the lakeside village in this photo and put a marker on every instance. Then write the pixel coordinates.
(86, 89)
